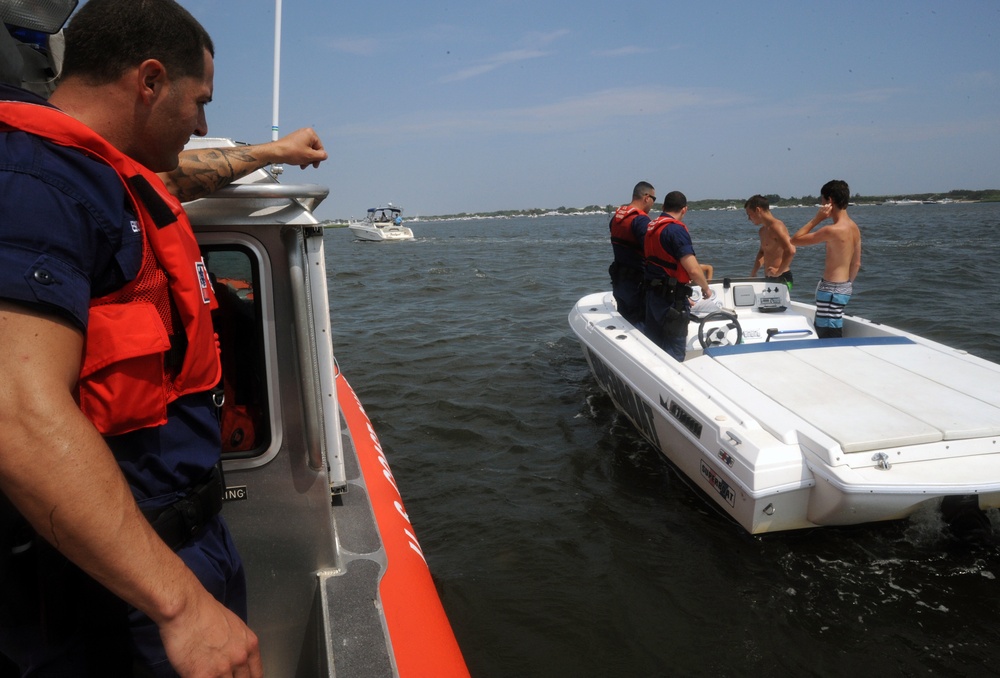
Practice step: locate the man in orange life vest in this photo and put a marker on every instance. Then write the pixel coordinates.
(119, 561)
(670, 266)
(628, 230)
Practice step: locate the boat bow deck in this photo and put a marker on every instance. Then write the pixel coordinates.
(866, 394)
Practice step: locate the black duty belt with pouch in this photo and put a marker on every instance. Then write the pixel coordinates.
(668, 288)
(183, 519)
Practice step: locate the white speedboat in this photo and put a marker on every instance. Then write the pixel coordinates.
(381, 224)
(785, 431)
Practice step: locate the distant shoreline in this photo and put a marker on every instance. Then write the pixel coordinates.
(957, 196)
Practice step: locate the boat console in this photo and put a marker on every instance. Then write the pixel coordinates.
(746, 311)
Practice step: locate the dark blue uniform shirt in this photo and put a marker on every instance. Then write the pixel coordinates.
(66, 232)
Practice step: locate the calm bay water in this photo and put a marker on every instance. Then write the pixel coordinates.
(562, 544)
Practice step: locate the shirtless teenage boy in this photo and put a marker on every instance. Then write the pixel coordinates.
(843, 257)
(776, 250)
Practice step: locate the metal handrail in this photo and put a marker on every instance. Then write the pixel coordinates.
(272, 191)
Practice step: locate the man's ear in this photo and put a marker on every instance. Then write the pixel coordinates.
(151, 76)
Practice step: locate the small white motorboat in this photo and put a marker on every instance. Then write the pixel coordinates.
(381, 224)
(785, 431)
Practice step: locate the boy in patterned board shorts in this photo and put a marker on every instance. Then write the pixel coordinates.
(842, 238)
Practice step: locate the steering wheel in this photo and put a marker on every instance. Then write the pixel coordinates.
(719, 334)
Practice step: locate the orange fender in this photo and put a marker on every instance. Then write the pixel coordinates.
(423, 642)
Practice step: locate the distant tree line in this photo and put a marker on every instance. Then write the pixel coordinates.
(991, 195)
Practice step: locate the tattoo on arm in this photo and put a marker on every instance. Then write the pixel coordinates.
(207, 170)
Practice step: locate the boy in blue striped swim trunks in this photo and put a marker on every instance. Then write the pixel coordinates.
(842, 238)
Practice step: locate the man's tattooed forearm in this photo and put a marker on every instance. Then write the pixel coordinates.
(207, 170)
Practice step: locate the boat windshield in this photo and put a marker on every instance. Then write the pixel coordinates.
(383, 215)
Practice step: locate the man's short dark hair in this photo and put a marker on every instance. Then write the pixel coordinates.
(641, 189)
(107, 37)
(674, 201)
(757, 202)
(838, 192)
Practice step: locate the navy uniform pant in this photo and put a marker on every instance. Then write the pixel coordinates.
(667, 325)
(57, 621)
(630, 300)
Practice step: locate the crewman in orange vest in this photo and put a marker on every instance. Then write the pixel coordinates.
(628, 231)
(671, 266)
(114, 557)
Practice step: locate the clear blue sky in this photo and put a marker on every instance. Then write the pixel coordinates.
(445, 106)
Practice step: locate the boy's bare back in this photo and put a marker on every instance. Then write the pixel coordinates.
(843, 246)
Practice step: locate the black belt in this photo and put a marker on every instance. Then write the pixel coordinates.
(180, 521)
(668, 288)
